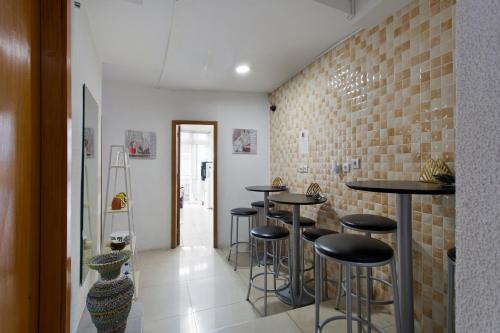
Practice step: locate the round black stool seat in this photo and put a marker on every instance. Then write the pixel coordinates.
(278, 214)
(304, 221)
(270, 232)
(452, 254)
(260, 204)
(243, 211)
(353, 248)
(369, 223)
(312, 234)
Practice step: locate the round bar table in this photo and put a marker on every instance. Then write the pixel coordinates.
(266, 189)
(294, 294)
(404, 191)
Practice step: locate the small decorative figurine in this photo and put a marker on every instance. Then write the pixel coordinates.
(432, 168)
(277, 182)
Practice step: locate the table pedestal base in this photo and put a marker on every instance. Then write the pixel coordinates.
(285, 297)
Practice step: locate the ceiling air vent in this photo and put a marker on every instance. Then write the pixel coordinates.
(348, 7)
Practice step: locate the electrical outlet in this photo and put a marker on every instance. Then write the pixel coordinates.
(345, 167)
(335, 167)
(356, 163)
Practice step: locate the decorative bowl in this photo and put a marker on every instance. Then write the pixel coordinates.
(109, 264)
(118, 246)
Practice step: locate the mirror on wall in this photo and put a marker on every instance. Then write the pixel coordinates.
(89, 189)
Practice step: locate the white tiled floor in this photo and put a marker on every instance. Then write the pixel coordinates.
(193, 289)
(196, 224)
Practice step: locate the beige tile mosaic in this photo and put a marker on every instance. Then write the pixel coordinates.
(386, 96)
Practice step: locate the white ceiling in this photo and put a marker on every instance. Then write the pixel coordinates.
(196, 44)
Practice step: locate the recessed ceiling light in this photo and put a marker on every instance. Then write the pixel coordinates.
(242, 69)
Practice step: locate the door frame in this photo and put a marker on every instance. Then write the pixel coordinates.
(55, 165)
(175, 180)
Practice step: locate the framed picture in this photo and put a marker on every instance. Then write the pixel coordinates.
(141, 144)
(244, 141)
(88, 142)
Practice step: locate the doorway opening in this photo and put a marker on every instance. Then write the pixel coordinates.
(194, 183)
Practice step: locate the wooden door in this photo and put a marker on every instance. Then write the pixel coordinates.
(176, 161)
(34, 120)
(19, 165)
(176, 218)
(178, 183)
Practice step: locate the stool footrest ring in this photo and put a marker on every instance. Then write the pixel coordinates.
(310, 291)
(285, 285)
(372, 301)
(355, 318)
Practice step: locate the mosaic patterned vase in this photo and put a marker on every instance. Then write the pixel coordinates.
(110, 299)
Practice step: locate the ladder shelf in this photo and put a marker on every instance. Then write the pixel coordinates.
(118, 161)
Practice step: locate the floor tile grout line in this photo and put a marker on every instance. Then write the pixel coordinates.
(220, 306)
(232, 325)
(192, 309)
(294, 322)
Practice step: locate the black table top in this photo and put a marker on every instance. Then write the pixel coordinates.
(401, 186)
(266, 188)
(295, 199)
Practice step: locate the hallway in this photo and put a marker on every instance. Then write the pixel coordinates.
(196, 225)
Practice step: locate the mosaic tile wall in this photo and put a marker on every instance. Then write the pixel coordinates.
(386, 96)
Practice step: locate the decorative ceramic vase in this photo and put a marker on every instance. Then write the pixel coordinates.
(110, 299)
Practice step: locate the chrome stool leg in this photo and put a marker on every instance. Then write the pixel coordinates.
(317, 292)
(231, 239)
(265, 278)
(251, 269)
(369, 291)
(237, 241)
(348, 299)
(451, 287)
(325, 280)
(395, 291)
(340, 289)
(358, 293)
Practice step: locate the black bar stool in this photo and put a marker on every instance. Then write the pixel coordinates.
(240, 212)
(259, 205)
(268, 234)
(354, 251)
(450, 322)
(368, 224)
(277, 215)
(309, 236)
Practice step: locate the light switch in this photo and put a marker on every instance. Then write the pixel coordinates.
(355, 163)
(345, 167)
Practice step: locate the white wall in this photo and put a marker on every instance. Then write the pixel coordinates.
(127, 106)
(85, 69)
(478, 166)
